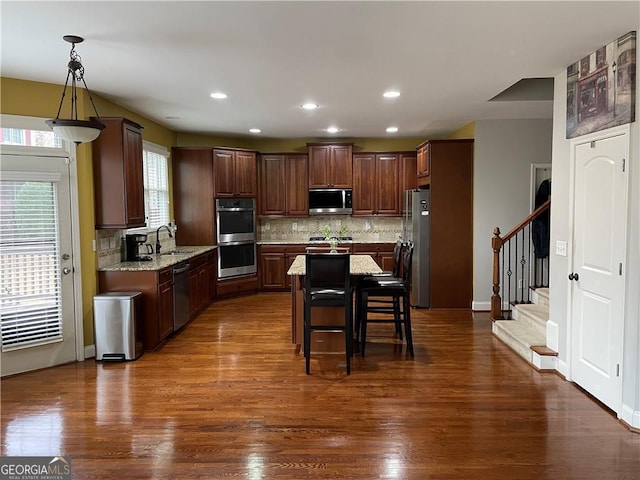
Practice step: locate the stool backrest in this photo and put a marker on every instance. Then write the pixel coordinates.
(327, 270)
(406, 264)
(397, 258)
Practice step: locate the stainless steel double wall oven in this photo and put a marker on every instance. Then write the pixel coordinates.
(236, 235)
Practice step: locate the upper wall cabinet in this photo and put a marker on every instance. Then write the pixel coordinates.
(376, 184)
(283, 185)
(330, 165)
(235, 173)
(118, 175)
(424, 164)
(192, 171)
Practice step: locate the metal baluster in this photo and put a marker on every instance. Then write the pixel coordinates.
(529, 269)
(509, 273)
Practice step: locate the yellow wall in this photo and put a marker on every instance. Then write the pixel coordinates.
(36, 99)
(468, 131)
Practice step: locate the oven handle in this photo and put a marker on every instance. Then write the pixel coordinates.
(238, 209)
(228, 244)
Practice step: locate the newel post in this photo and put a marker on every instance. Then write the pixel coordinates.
(496, 301)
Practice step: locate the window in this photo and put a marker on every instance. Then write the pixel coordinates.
(156, 184)
(30, 138)
(30, 297)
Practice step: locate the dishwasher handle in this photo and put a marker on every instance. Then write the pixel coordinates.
(180, 268)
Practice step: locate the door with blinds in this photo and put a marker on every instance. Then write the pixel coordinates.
(36, 264)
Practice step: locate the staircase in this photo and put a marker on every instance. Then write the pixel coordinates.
(526, 333)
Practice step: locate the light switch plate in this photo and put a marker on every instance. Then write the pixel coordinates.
(561, 248)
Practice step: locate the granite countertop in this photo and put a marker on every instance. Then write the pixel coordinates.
(160, 261)
(323, 242)
(359, 265)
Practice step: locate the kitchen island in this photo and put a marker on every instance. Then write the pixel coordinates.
(360, 265)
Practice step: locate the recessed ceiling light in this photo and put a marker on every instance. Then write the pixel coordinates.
(255, 130)
(391, 94)
(333, 130)
(310, 106)
(392, 129)
(218, 95)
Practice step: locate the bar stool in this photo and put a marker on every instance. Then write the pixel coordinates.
(398, 288)
(327, 284)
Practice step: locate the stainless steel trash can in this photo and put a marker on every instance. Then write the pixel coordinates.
(116, 320)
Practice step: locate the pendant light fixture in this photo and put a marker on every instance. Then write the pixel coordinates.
(72, 129)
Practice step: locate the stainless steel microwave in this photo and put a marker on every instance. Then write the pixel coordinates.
(330, 201)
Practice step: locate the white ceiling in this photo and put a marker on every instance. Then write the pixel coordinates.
(163, 59)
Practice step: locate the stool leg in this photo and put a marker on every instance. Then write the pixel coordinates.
(407, 323)
(307, 337)
(348, 334)
(396, 316)
(363, 323)
(356, 322)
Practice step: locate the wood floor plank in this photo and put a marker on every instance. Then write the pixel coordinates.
(228, 398)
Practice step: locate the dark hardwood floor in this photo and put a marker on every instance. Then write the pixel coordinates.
(227, 398)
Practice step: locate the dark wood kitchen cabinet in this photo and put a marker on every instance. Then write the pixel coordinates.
(235, 173)
(376, 184)
(330, 165)
(157, 296)
(283, 185)
(118, 175)
(193, 195)
(382, 253)
(450, 180)
(199, 280)
(423, 164)
(275, 261)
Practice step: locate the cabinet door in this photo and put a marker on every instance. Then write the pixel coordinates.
(364, 184)
(319, 158)
(341, 167)
(192, 171)
(245, 174)
(273, 271)
(408, 175)
(297, 190)
(385, 256)
(134, 176)
(223, 168)
(386, 188)
(212, 277)
(165, 312)
(274, 185)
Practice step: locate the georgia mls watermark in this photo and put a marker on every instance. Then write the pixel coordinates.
(35, 468)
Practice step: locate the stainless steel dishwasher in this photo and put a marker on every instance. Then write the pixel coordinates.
(180, 295)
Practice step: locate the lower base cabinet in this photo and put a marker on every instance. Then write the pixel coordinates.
(382, 253)
(157, 297)
(275, 261)
(202, 282)
(237, 286)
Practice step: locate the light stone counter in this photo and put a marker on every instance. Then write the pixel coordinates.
(359, 265)
(158, 262)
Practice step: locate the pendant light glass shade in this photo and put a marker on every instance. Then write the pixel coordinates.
(72, 129)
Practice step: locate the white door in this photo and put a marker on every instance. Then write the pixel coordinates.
(37, 316)
(597, 277)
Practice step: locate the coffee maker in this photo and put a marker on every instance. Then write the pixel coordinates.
(132, 243)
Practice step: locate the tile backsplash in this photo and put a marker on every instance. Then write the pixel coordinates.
(362, 229)
(110, 248)
(110, 245)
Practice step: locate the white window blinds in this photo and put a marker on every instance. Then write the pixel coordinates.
(30, 293)
(156, 184)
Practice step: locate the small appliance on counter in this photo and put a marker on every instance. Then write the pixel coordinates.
(132, 245)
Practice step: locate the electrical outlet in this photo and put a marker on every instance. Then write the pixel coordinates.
(561, 248)
(367, 225)
(294, 226)
(267, 226)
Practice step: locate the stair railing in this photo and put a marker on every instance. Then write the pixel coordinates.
(516, 267)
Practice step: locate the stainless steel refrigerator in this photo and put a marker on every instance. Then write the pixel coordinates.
(416, 229)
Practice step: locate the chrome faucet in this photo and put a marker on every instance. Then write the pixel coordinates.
(158, 246)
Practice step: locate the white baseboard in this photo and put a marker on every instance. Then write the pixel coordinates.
(89, 351)
(630, 417)
(552, 336)
(481, 306)
(561, 367)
